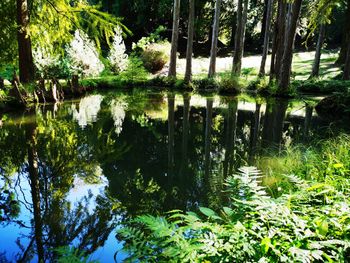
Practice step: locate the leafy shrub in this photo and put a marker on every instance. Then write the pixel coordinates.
(155, 56)
(321, 86)
(229, 85)
(135, 70)
(307, 225)
(206, 83)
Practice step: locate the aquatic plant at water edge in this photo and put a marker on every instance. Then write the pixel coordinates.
(307, 225)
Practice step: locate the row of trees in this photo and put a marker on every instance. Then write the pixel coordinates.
(281, 19)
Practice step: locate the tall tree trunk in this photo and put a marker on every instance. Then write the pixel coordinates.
(171, 130)
(174, 39)
(214, 41)
(316, 66)
(346, 38)
(266, 37)
(286, 67)
(346, 75)
(280, 38)
(242, 13)
(25, 56)
(307, 122)
(189, 51)
(2, 83)
(263, 24)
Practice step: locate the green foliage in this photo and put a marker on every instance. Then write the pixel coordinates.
(72, 255)
(144, 42)
(155, 56)
(229, 84)
(308, 224)
(321, 86)
(206, 84)
(134, 71)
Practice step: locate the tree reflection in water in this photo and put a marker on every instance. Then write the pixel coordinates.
(138, 153)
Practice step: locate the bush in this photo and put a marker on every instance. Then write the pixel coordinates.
(135, 70)
(155, 56)
(206, 84)
(229, 85)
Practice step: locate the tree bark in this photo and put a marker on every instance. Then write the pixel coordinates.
(254, 133)
(25, 56)
(346, 38)
(316, 66)
(346, 75)
(189, 51)
(266, 37)
(263, 24)
(286, 67)
(279, 41)
(242, 13)
(214, 41)
(174, 39)
(2, 83)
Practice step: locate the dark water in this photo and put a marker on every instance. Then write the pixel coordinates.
(70, 174)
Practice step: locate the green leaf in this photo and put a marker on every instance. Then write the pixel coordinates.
(208, 212)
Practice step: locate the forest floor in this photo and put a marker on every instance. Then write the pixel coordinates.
(302, 65)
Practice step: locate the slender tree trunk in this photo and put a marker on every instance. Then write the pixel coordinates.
(266, 37)
(242, 13)
(174, 39)
(25, 56)
(346, 75)
(263, 24)
(316, 66)
(280, 35)
(2, 83)
(171, 130)
(214, 41)
(284, 79)
(346, 38)
(189, 51)
(307, 122)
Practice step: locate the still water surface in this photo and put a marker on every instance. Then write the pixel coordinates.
(70, 174)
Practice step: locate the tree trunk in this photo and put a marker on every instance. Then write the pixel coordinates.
(266, 37)
(174, 39)
(346, 38)
(189, 51)
(346, 75)
(2, 83)
(263, 24)
(307, 122)
(280, 38)
(207, 145)
(316, 66)
(286, 67)
(214, 41)
(25, 56)
(242, 13)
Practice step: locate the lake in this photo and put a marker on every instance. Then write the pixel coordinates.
(72, 173)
